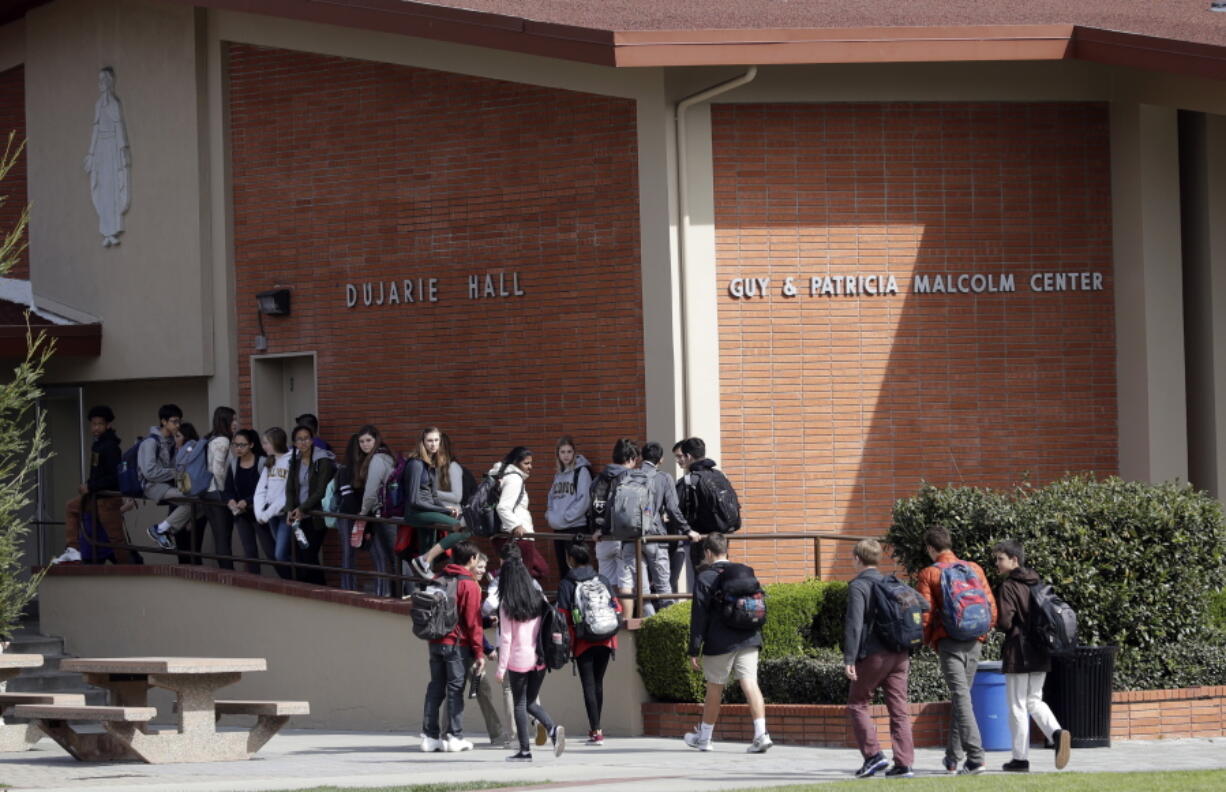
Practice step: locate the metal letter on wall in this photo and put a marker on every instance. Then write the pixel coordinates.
(109, 164)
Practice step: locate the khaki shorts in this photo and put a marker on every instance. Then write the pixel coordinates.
(741, 664)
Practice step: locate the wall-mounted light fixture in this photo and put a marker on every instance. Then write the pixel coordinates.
(1217, 5)
(274, 302)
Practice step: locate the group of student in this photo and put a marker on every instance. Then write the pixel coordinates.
(955, 595)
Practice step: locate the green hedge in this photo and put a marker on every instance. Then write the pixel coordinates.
(1133, 559)
(795, 614)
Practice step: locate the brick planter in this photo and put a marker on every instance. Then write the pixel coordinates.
(1135, 715)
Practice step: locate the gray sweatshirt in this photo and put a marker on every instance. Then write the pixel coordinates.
(155, 458)
(380, 468)
(568, 498)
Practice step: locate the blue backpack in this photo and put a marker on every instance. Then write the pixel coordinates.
(131, 483)
(192, 468)
(966, 613)
(91, 534)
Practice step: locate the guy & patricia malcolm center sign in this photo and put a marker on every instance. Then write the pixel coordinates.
(860, 285)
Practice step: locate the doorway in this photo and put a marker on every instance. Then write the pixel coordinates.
(282, 388)
(62, 409)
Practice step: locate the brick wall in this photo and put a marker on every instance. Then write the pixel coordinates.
(832, 407)
(349, 171)
(13, 188)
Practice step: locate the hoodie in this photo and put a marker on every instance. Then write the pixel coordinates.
(380, 467)
(468, 630)
(566, 604)
(420, 488)
(104, 458)
(322, 469)
(270, 492)
(686, 501)
(513, 500)
(218, 459)
(568, 497)
(1020, 654)
(155, 459)
(664, 500)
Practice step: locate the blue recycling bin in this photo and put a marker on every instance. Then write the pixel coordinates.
(991, 707)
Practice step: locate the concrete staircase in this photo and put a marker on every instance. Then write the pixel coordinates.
(49, 678)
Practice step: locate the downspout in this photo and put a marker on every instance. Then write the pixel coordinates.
(683, 224)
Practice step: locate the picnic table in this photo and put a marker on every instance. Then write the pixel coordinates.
(194, 681)
(24, 736)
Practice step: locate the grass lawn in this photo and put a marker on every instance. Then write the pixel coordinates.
(1181, 781)
(458, 787)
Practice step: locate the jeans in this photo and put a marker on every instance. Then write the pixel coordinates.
(244, 526)
(383, 554)
(959, 661)
(525, 687)
(655, 564)
(887, 670)
(221, 523)
(448, 670)
(283, 538)
(592, 665)
(344, 531)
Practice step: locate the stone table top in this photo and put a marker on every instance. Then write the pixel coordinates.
(20, 660)
(161, 665)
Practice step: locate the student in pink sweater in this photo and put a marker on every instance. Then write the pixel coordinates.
(519, 628)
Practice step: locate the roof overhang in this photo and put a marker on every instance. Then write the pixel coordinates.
(71, 340)
(742, 47)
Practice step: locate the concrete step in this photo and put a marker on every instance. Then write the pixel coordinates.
(46, 681)
(33, 643)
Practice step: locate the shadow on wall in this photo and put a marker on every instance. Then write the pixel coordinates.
(993, 360)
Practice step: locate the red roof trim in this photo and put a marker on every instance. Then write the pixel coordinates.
(74, 340)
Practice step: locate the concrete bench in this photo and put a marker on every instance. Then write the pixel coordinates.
(24, 736)
(12, 699)
(83, 712)
(121, 724)
(263, 708)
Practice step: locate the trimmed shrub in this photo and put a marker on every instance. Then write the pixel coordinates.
(1217, 611)
(819, 679)
(827, 627)
(1133, 559)
(791, 611)
(662, 643)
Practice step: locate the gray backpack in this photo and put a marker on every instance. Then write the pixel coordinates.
(631, 510)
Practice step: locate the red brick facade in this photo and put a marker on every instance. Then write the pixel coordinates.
(833, 406)
(13, 188)
(350, 171)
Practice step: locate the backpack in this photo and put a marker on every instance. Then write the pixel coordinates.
(593, 613)
(481, 509)
(964, 604)
(192, 476)
(330, 502)
(1052, 621)
(391, 494)
(597, 508)
(553, 643)
(714, 507)
(468, 486)
(741, 600)
(898, 614)
(92, 553)
(131, 482)
(630, 510)
(435, 610)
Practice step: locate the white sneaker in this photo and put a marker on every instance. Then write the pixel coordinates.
(760, 744)
(453, 744)
(69, 556)
(694, 741)
(430, 745)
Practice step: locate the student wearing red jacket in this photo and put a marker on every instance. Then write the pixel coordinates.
(453, 654)
(591, 656)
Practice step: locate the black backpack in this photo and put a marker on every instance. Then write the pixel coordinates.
(712, 502)
(469, 484)
(897, 614)
(481, 508)
(740, 600)
(597, 509)
(435, 610)
(1053, 622)
(553, 643)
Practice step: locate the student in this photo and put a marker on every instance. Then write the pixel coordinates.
(423, 510)
(155, 458)
(310, 470)
(104, 459)
(959, 658)
(566, 508)
(498, 730)
(270, 497)
(1025, 661)
(453, 655)
(375, 463)
(519, 628)
(727, 653)
(349, 501)
(871, 665)
(489, 616)
(513, 471)
(609, 550)
(220, 518)
(311, 422)
(591, 656)
(242, 478)
(450, 475)
(664, 507)
(691, 456)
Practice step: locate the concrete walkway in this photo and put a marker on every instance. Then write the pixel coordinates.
(299, 759)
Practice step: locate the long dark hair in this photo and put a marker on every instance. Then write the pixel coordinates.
(253, 438)
(362, 468)
(443, 461)
(515, 456)
(519, 597)
(223, 419)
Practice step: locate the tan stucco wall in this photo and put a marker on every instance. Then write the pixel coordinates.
(147, 291)
(360, 669)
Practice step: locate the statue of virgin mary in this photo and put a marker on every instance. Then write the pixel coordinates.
(109, 163)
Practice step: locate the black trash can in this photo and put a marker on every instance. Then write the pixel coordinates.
(1078, 690)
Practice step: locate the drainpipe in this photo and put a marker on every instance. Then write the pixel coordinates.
(683, 224)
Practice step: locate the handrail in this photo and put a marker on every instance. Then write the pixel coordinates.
(641, 595)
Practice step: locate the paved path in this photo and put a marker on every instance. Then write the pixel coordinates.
(298, 759)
